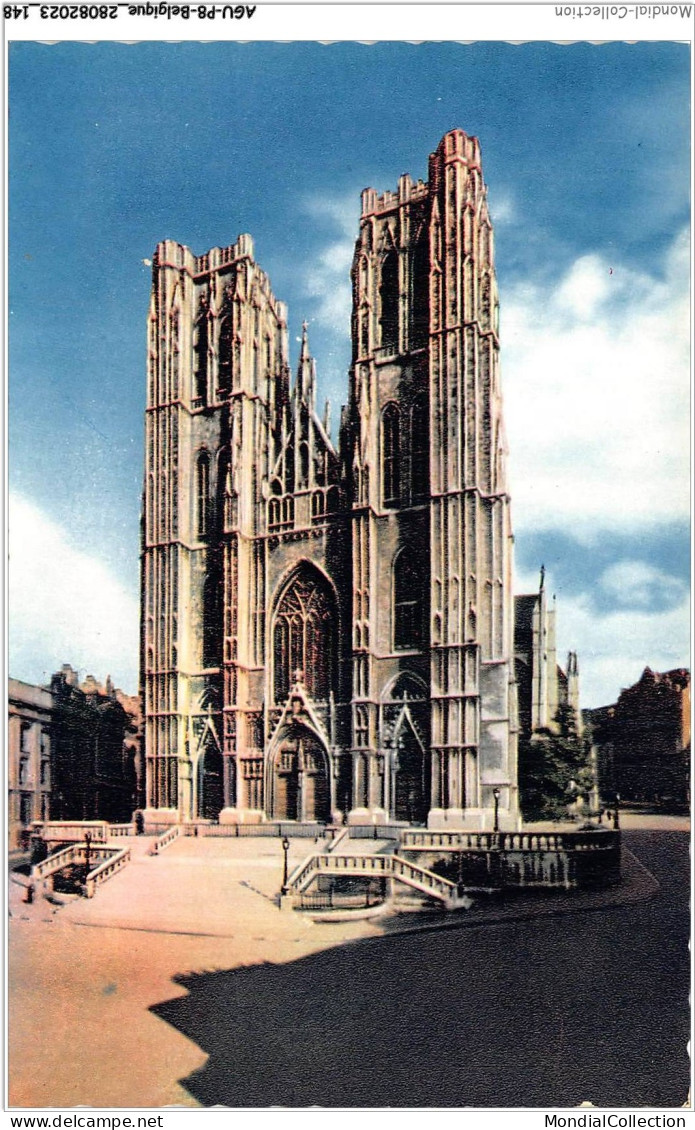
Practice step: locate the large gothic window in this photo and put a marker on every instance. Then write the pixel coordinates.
(388, 298)
(390, 454)
(305, 636)
(408, 603)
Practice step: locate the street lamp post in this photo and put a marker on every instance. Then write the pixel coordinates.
(285, 872)
(616, 812)
(497, 794)
(87, 856)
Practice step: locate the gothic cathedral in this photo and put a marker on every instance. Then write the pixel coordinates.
(327, 633)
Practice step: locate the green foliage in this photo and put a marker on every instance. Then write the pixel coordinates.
(555, 768)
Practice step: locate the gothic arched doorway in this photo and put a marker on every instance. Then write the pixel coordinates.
(410, 785)
(301, 781)
(210, 783)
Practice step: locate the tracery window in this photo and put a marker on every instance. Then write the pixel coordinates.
(305, 636)
(388, 298)
(408, 591)
(390, 454)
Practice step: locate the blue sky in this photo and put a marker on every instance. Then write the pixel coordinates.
(113, 147)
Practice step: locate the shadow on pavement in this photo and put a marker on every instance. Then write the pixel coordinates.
(545, 1011)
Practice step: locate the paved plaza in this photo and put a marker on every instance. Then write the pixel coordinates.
(181, 983)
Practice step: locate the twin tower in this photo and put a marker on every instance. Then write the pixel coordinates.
(327, 633)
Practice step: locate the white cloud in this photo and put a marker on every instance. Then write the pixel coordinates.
(635, 584)
(327, 276)
(503, 209)
(596, 379)
(65, 606)
(614, 648)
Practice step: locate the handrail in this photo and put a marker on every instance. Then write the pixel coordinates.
(414, 839)
(54, 862)
(75, 830)
(75, 853)
(343, 834)
(120, 829)
(166, 838)
(386, 865)
(106, 870)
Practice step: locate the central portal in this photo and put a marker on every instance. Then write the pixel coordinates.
(301, 780)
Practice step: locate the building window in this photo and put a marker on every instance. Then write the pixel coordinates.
(44, 773)
(25, 808)
(317, 505)
(200, 359)
(420, 292)
(225, 354)
(202, 494)
(25, 739)
(390, 455)
(388, 298)
(407, 602)
(361, 726)
(305, 636)
(304, 464)
(419, 451)
(23, 770)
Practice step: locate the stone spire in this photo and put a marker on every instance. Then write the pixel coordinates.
(305, 387)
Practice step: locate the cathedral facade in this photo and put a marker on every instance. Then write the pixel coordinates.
(327, 632)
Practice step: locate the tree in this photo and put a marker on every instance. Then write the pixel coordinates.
(555, 768)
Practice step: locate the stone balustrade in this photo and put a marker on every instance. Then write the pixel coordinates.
(120, 830)
(71, 831)
(424, 840)
(106, 870)
(390, 866)
(503, 860)
(167, 838)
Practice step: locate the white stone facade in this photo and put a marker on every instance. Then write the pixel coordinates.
(327, 632)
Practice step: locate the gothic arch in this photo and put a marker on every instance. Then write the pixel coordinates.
(304, 631)
(210, 779)
(201, 335)
(388, 301)
(202, 494)
(410, 773)
(390, 454)
(404, 685)
(299, 766)
(420, 290)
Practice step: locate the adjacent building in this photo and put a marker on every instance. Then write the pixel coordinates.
(327, 630)
(73, 752)
(28, 757)
(643, 740)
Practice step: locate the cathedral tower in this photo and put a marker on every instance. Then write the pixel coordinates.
(434, 704)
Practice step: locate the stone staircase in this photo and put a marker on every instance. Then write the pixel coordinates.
(370, 864)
